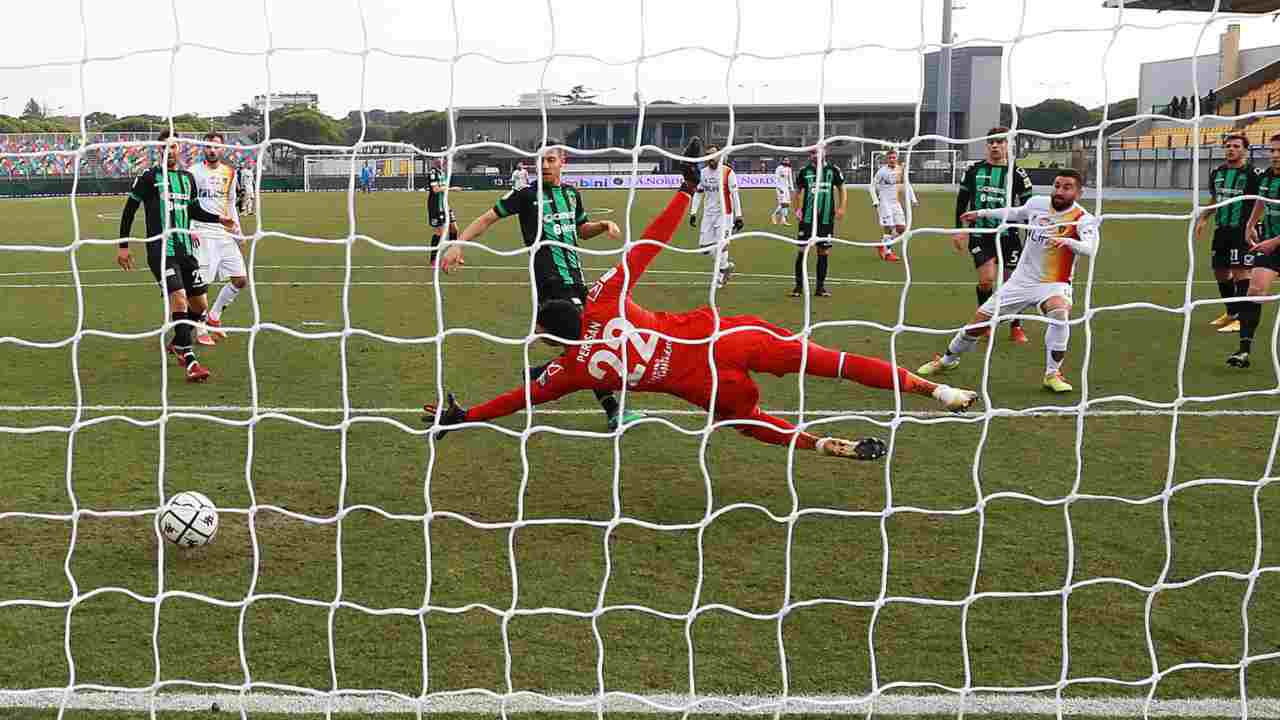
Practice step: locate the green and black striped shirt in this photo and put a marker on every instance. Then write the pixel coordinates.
(819, 191)
(558, 216)
(1228, 182)
(152, 188)
(1269, 187)
(983, 188)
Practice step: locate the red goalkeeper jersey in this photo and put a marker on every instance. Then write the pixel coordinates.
(652, 359)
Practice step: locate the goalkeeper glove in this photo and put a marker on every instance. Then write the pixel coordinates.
(693, 221)
(738, 224)
(451, 414)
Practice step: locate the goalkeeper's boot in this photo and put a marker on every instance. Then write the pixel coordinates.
(1239, 360)
(1231, 327)
(936, 366)
(622, 419)
(1222, 319)
(688, 168)
(1055, 382)
(1016, 334)
(196, 373)
(954, 399)
(864, 449)
(203, 337)
(887, 254)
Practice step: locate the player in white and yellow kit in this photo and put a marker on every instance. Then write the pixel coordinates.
(1060, 230)
(219, 252)
(885, 189)
(721, 211)
(784, 185)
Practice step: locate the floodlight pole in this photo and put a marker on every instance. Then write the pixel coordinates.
(943, 125)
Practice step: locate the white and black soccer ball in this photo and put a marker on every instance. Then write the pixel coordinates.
(189, 520)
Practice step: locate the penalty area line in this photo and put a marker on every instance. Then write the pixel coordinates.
(478, 701)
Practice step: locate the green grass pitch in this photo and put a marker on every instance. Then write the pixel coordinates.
(944, 495)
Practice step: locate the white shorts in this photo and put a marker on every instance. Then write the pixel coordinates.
(220, 257)
(784, 197)
(712, 232)
(891, 215)
(1015, 297)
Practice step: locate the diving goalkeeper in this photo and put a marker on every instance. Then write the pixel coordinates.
(656, 363)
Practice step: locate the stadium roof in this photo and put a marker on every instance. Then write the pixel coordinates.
(1244, 84)
(676, 109)
(1227, 6)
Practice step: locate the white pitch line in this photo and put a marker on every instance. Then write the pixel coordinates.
(1065, 412)
(525, 269)
(479, 702)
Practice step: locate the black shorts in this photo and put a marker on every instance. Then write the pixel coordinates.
(1230, 248)
(436, 217)
(825, 230)
(557, 290)
(181, 270)
(1266, 261)
(982, 247)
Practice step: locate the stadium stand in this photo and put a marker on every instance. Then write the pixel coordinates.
(50, 154)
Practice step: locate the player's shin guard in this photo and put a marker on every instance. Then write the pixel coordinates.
(1227, 288)
(1056, 335)
(962, 343)
(1250, 318)
(1242, 294)
(226, 296)
(182, 337)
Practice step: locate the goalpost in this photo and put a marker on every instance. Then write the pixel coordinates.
(761, 643)
(926, 167)
(330, 173)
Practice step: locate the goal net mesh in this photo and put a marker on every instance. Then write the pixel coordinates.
(914, 695)
(337, 172)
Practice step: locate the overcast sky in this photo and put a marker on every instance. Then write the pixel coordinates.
(305, 34)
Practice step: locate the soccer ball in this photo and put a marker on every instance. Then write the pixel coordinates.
(189, 520)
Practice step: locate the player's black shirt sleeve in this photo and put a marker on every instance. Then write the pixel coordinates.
(516, 201)
(965, 194)
(837, 177)
(142, 192)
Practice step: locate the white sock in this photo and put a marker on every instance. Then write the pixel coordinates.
(226, 296)
(960, 344)
(1055, 340)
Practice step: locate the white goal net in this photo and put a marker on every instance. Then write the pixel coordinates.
(925, 167)
(1107, 552)
(378, 171)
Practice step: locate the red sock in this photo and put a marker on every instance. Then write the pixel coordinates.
(663, 227)
(869, 371)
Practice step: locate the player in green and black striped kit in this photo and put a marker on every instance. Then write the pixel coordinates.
(983, 188)
(557, 272)
(437, 218)
(824, 201)
(1231, 257)
(172, 258)
(1263, 237)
